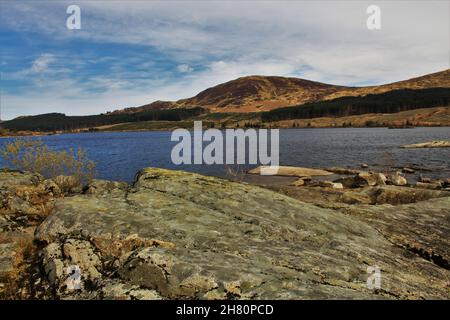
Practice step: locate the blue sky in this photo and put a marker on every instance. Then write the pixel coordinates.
(134, 52)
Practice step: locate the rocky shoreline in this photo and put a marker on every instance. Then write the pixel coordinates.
(180, 235)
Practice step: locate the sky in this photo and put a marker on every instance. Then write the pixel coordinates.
(130, 53)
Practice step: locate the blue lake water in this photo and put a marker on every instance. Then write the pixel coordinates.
(119, 155)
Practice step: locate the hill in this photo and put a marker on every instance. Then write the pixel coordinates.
(265, 93)
(433, 80)
(268, 99)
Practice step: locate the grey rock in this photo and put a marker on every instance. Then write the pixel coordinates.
(429, 144)
(424, 179)
(422, 228)
(9, 178)
(354, 197)
(330, 184)
(348, 182)
(370, 179)
(397, 179)
(390, 195)
(7, 253)
(52, 262)
(290, 171)
(81, 253)
(98, 186)
(298, 183)
(183, 235)
(428, 185)
(116, 290)
(408, 170)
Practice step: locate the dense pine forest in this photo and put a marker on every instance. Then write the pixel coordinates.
(388, 102)
(58, 121)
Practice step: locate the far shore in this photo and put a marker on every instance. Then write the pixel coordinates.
(169, 128)
(425, 117)
(27, 134)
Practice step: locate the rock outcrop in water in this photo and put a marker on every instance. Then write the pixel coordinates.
(430, 144)
(174, 234)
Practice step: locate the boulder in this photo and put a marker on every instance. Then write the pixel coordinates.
(447, 183)
(82, 254)
(397, 179)
(298, 183)
(329, 184)
(10, 178)
(429, 144)
(293, 171)
(381, 178)
(408, 170)
(425, 179)
(23, 196)
(301, 181)
(365, 178)
(348, 182)
(52, 262)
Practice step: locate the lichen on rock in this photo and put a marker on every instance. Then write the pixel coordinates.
(175, 235)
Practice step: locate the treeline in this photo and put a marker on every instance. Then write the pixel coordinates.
(388, 102)
(58, 121)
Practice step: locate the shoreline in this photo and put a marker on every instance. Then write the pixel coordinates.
(44, 134)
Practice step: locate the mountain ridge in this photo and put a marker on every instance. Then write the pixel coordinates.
(264, 93)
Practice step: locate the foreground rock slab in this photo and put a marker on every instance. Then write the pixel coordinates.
(182, 235)
(422, 228)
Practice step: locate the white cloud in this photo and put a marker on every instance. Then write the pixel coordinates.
(41, 64)
(184, 68)
(322, 40)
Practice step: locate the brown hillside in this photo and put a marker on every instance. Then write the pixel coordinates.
(261, 93)
(432, 80)
(257, 93)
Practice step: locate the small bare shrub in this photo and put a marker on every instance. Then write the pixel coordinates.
(235, 173)
(35, 156)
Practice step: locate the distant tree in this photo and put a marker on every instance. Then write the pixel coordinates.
(58, 121)
(388, 102)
